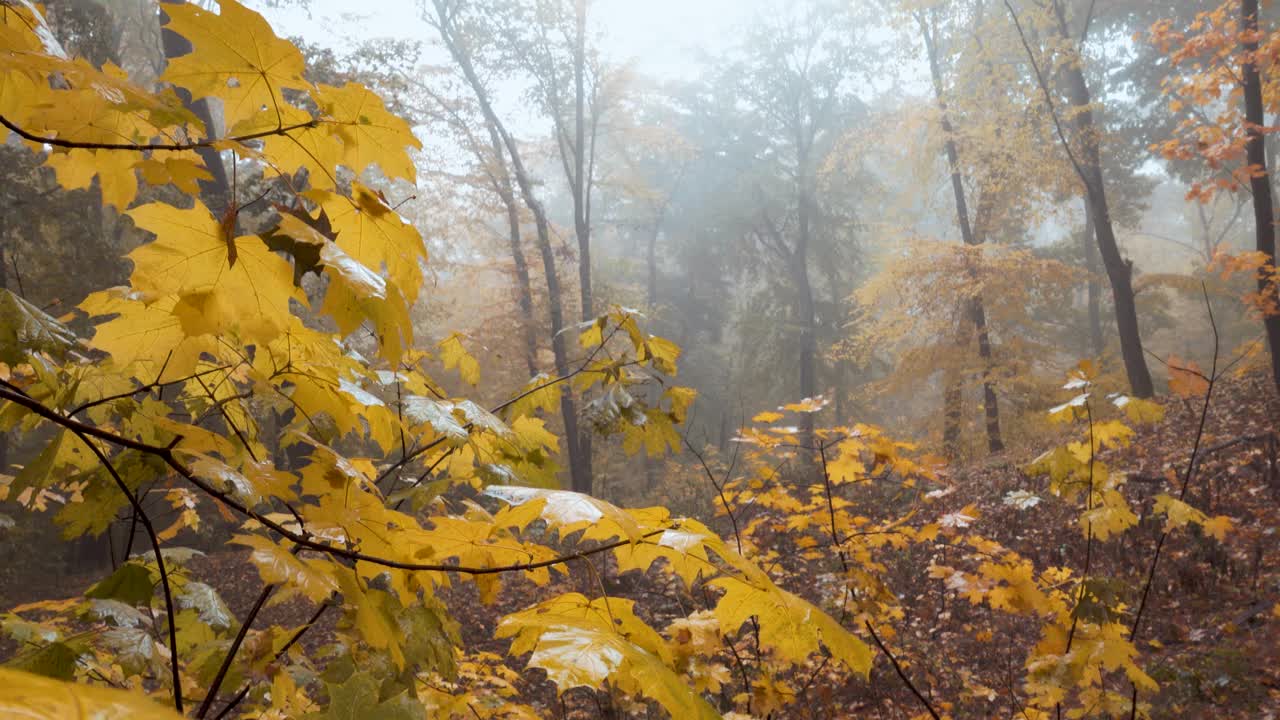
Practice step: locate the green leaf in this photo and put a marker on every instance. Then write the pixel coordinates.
(25, 328)
(62, 457)
(357, 699)
(130, 584)
(55, 660)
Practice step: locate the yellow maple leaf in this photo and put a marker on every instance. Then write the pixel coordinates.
(581, 642)
(184, 171)
(370, 135)
(454, 355)
(356, 294)
(190, 258)
(789, 625)
(376, 236)
(26, 695)
(235, 57)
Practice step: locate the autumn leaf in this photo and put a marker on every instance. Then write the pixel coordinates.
(454, 355)
(236, 58)
(789, 625)
(23, 695)
(581, 642)
(190, 258)
(1186, 380)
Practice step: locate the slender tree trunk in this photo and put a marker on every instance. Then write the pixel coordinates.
(524, 286)
(579, 473)
(1093, 288)
(582, 198)
(804, 288)
(952, 413)
(1260, 181)
(4, 285)
(174, 46)
(651, 262)
(1119, 270)
(977, 309)
(581, 183)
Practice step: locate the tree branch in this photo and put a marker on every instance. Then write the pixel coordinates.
(212, 693)
(1048, 96)
(165, 147)
(901, 673)
(141, 516)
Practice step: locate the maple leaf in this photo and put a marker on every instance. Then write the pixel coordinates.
(359, 698)
(455, 356)
(190, 258)
(789, 625)
(184, 172)
(357, 294)
(25, 328)
(147, 336)
(26, 695)
(1186, 380)
(585, 643)
(309, 576)
(370, 135)
(376, 236)
(571, 511)
(236, 57)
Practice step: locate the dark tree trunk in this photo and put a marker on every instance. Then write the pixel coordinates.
(4, 285)
(1119, 270)
(1093, 288)
(977, 309)
(952, 414)
(524, 286)
(579, 472)
(1260, 181)
(218, 190)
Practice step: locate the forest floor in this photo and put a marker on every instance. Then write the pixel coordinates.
(1212, 638)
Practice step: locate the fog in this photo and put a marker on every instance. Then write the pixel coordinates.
(632, 359)
(663, 38)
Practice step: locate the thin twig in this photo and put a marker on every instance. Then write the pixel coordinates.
(1048, 97)
(244, 691)
(212, 693)
(141, 516)
(901, 673)
(1192, 462)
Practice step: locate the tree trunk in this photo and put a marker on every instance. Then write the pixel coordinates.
(1260, 181)
(524, 286)
(582, 199)
(581, 183)
(952, 413)
(804, 290)
(1093, 288)
(1119, 270)
(218, 190)
(651, 263)
(977, 309)
(579, 472)
(4, 285)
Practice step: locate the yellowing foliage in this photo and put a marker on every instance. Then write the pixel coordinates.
(319, 433)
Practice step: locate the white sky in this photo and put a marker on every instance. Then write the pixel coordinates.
(662, 36)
